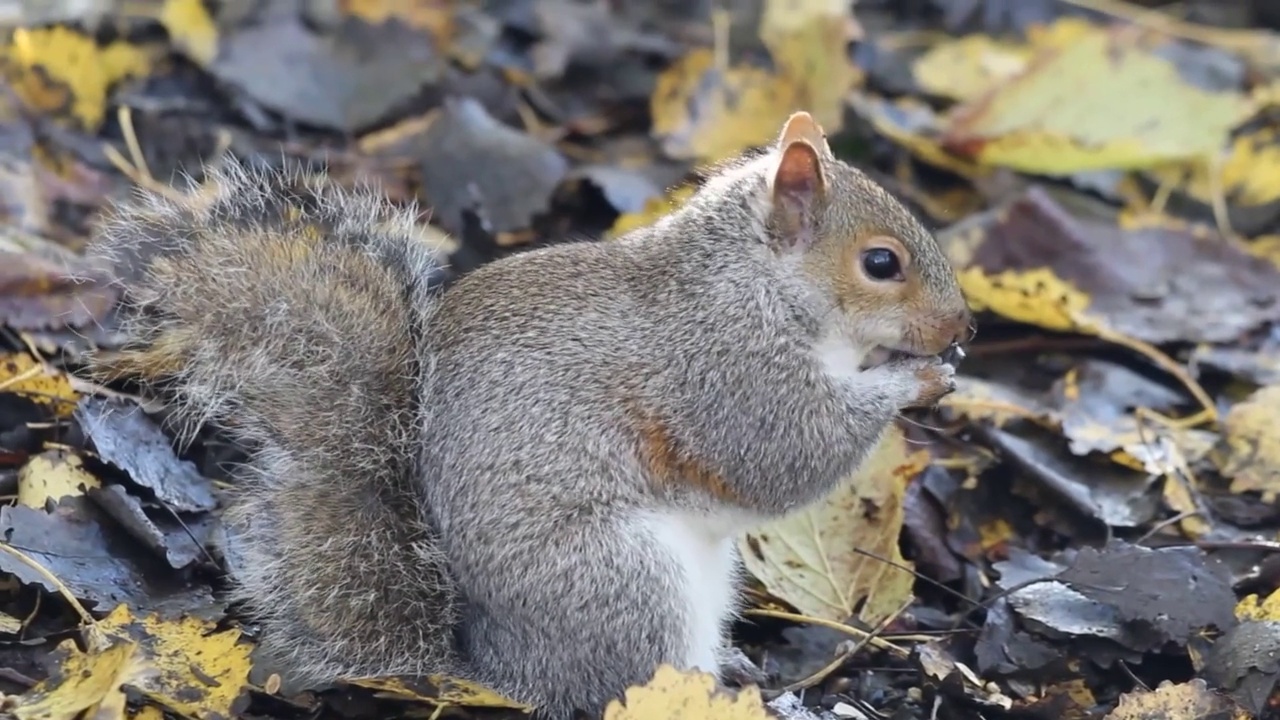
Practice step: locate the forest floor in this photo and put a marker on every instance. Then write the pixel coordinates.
(1086, 529)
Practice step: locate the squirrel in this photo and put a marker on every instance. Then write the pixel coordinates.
(535, 477)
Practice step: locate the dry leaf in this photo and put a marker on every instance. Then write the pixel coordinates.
(704, 112)
(182, 665)
(59, 71)
(1251, 458)
(439, 691)
(1100, 102)
(672, 694)
(191, 29)
(1249, 608)
(808, 558)
(654, 208)
(53, 475)
(809, 43)
(1187, 701)
(22, 375)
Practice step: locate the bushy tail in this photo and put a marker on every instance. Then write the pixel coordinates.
(289, 311)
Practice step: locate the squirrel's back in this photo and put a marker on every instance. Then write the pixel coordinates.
(289, 310)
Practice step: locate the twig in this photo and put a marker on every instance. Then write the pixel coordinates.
(93, 635)
(833, 625)
(842, 657)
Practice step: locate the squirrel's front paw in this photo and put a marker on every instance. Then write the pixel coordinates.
(934, 378)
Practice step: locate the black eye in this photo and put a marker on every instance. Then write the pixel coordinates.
(881, 264)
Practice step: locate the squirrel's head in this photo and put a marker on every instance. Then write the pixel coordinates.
(883, 272)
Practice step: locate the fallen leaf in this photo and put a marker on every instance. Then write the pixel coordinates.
(125, 437)
(179, 538)
(23, 375)
(1032, 261)
(654, 208)
(1099, 102)
(966, 67)
(82, 681)
(182, 665)
(1245, 664)
(1251, 456)
(1182, 591)
(939, 665)
(191, 29)
(357, 74)
(38, 293)
(1186, 701)
(705, 112)
(1250, 608)
(469, 156)
(675, 694)
(61, 72)
(53, 475)
(808, 41)
(438, 692)
(80, 546)
(808, 558)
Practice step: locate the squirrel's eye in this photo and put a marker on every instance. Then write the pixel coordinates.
(881, 264)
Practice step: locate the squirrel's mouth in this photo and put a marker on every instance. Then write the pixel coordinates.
(880, 355)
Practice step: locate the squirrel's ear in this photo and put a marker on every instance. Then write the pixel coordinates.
(802, 126)
(797, 187)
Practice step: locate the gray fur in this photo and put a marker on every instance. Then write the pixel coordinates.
(453, 484)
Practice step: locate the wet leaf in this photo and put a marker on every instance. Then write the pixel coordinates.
(182, 665)
(125, 437)
(675, 694)
(84, 550)
(53, 475)
(808, 558)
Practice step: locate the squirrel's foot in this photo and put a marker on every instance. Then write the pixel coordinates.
(737, 669)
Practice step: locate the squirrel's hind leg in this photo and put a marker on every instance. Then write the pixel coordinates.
(589, 616)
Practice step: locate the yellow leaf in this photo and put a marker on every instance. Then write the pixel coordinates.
(82, 681)
(809, 43)
(654, 208)
(182, 665)
(709, 113)
(191, 29)
(59, 71)
(1248, 173)
(808, 558)
(53, 475)
(1187, 701)
(433, 16)
(1036, 297)
(439, 691)
(1266, 611)
(965, 68)
(22, 375)
(675, 694)
(980, 400)
(1100, 102)
(1251, 458)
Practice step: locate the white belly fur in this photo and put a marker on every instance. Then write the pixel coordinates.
(706, 551)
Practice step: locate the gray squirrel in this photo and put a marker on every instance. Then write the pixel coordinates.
(534, 479)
